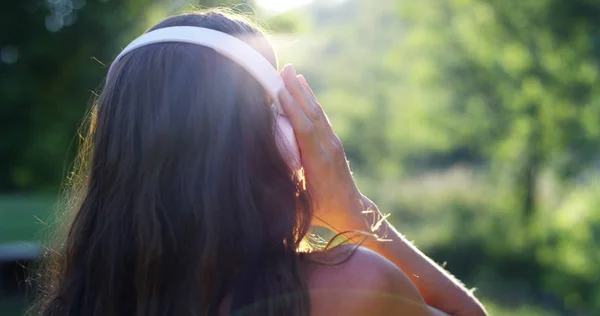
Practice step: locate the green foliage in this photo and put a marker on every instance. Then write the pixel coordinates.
(570, 233)
(475, 123)
(496, 310)
(288, 22)
(46, 87)
(518, 87)
(469, 121)
(54, 56)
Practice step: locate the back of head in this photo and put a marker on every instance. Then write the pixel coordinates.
(186, 198)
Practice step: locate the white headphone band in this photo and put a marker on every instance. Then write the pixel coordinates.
(229, 46)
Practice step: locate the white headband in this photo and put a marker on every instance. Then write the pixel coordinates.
(229, 46)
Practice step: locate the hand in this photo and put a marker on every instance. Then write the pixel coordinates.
(338, 203)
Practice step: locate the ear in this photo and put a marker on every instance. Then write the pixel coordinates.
(286, 141)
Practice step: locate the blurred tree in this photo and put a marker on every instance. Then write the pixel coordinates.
(51, 59)
(504, 87)
(46, 75)
(512, 82)
(341, 56)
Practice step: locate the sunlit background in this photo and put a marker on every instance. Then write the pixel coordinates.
(475, 123)
(281, 5)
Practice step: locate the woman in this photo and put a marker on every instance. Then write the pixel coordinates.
(187, 205)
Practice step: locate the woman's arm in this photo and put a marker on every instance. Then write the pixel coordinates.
(339, 204)
(439, 288)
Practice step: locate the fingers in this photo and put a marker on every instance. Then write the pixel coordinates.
(303, 128)
(316, 103)
(293, 112)
(322, 125)
(296, 89)
(315, 106)
(306, 86)
(313, 130)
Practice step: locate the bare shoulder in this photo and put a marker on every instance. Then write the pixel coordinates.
(364, 284)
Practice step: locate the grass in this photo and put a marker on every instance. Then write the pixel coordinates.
(12, 307)
(21, 220)
(22, 217)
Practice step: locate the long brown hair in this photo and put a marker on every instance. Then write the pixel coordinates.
(180, 191)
